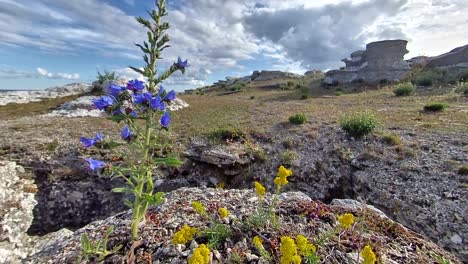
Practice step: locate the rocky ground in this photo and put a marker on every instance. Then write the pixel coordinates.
(298, 215)
(415, 180)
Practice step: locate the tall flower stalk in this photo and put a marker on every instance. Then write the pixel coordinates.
(142, 108)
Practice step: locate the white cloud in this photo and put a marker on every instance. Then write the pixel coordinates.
(129, 74)
(10, 73)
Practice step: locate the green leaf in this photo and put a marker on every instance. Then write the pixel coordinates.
(117, 118)
(111, 145)
(156, 199)
(128, 203)
(85, 243)
(122, 190)
(137, 70)
(170, 162)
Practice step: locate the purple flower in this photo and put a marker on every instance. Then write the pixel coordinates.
(142, 98)
(115, 90)
(118, 111)
(89, 142)
(134, 114)
(103, 102)
(136, 85)
(181, 64)
(170, 96)
(157, 104)
(126, 133)
(99, 137)
(95, 164)
(165, 119)
(161, 90)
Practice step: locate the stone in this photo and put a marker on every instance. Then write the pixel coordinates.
(381, 61)
(271, 75)
(219, 155)
(457, 57)
(456, 239)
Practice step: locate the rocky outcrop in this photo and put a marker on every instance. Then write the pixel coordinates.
(16, 215)
(271, 75)
(297, 214)
(381, 61)
(23, 97)
(457, 57)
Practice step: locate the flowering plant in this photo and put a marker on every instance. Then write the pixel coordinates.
(140, 101)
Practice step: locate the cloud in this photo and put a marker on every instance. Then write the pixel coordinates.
(321, 36)
(129, 74)
(40, 73)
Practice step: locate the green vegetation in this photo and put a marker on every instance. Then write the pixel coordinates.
(298, 119)
(216, 234)
(289, 157)
(391, 139)
(227, 134)
(99, 248)
(435, 107)
(338, 93)
(359, 125)
(404, 89)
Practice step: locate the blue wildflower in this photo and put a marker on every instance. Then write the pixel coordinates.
(99, 137)
(136, 85)
(142, 98)
(165, 119)
(95, 164)
(134, 114)
(126, 133)
(161, 90)
(103, 102)
(170, 96)
(89, 142)
(181, 64)
(118, 111)
(157, 104)
(115, 90)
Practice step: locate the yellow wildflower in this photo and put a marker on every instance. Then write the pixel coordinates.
(282, 177)
(257, 241)
(220, 185)
(259, 189)
(289, 251)
(346, 220)
(223, 212)
(184, 235)
(201, 255)
(199, 208)
(368, 255)
(305, 248)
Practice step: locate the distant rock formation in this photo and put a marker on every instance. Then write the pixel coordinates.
(457, 57)
(381, 61)
(271, 75)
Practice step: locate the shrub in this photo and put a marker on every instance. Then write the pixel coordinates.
(304, 96)
(288, 157)
(252, 97)
(424, 80)
(298, 119)
(359, 125)
(338, 93)
(404, 89)
(435, 107)
(391, 139)
(291, 83)
(106, 76)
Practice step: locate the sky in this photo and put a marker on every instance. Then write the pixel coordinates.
(46, 43)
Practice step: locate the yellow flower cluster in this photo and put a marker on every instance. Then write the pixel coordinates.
(221, 185)
(289, 251)
(201, 255)
(257, 241)
(368, 255)
(199, 208)
(282, 177)
(184, 235)
(346, 220)
(305, 248)
(259, 189)
(223, 212)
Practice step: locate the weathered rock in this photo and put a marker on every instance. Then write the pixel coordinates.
(271, 75)
(457, 57)
(219, 155)
(382, 60)
(164, 220)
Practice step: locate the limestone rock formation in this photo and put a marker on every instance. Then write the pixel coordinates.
(457, 57)
(297, 214)
(381, 61)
